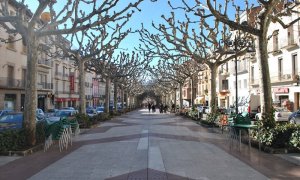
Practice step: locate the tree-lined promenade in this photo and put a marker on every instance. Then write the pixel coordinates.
(143, 145)
(188, 40)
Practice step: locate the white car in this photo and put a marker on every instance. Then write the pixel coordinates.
(281, 115)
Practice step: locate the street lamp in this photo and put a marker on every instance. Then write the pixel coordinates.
(236, 45)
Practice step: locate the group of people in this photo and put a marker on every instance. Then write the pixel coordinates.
(162, 108)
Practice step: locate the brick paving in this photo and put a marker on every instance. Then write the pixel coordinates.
(141, 145)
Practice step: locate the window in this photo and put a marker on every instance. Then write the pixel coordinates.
(64, 87)
(24, 48)
(23, 77)
(11, 42)
(64, 71)
(275, 41)
(56, 86)
(224, 84)
(240, 84)
(290, 35)
(252, 74)
(10, 75)
(294, 64)
(56, 69)
(279, 68)
(245, 84)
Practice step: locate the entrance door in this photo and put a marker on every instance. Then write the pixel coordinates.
(41, 102)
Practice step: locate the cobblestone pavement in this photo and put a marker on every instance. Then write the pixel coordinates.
(141, 145)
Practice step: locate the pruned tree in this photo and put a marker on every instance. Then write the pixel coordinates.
(74, 16)
(259, 17)
(126, 66)
(192, 37)
(86, 45)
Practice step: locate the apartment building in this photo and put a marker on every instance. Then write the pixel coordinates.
(283, 48)
(57, 78)
(13, 62)
(203, 87)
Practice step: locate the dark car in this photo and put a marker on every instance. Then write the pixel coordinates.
(14, 121)
(5, 111)
(11, 121)
(294, 118)
(63, 113)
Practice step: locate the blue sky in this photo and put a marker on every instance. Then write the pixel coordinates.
(150, 12)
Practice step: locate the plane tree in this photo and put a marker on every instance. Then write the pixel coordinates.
(192, 37)
(86, 45)
(259, 18)
(73, 16)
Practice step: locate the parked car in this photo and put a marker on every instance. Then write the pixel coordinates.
(294, 118)
(12, 121)
(50, 112)
(99, 109)
(280, 115)
(5, 111)
(68, 108)
(91, 112)
(61, 114)
(40, 114)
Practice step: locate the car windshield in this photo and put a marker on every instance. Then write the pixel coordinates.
(280, 109)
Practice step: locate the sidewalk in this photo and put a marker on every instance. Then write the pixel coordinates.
(143, 145)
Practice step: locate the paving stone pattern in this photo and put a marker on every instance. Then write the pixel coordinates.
(140, 145)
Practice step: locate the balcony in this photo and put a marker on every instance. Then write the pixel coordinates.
(43, 85)
(282, 78)
(224, 92)
(6, 82)
(44, 63)
(225, 74)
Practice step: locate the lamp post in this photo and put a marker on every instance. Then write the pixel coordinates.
(237, 44)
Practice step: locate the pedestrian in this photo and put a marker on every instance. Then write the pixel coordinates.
(161, 108)
(165, 108)
(173, 108)
(153, 108)
(149, 107)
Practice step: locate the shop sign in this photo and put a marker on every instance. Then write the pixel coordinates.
(281, 90)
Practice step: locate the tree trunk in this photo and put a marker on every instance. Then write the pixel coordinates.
(175, 97)
(213, 102)
(116, 96)
(82, 105)
(180, 96)
(192, 91)
(107, 94)
(122, 98)
(31, 90)
(265, 83)
(126, 99)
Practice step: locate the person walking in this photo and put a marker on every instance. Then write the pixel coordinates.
(161, 108)
(153, 108)
(149, 107)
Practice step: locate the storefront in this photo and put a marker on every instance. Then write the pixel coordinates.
(280, 96)
(223, 97)
(65, 102)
